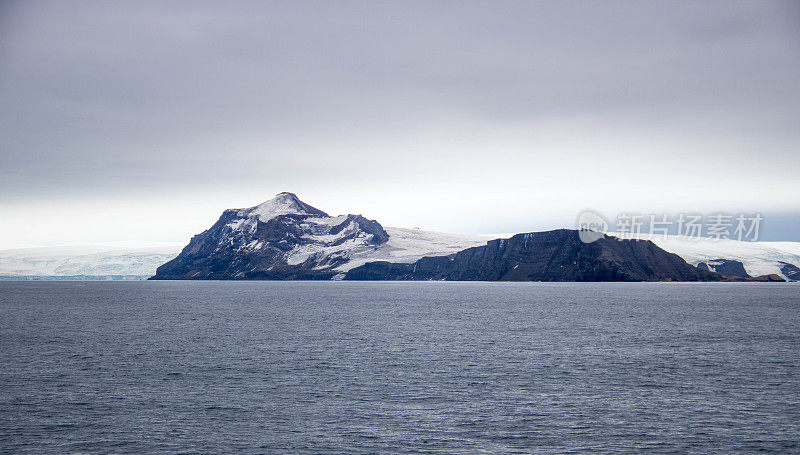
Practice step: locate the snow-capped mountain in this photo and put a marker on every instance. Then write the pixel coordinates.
(285, 238)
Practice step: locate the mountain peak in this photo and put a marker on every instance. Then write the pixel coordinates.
(287, 195)
(283, 204)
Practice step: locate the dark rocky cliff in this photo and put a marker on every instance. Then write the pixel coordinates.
(545, 256)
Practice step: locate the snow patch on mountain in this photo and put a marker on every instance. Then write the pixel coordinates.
(409, 245)
(404, 246)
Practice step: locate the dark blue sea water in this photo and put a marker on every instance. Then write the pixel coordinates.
(298, 367)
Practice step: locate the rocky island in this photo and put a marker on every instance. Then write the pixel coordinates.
(287, 239)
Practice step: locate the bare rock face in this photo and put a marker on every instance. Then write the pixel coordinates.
(557, 255)
(280, 239)
(791, 271)
(725, 267)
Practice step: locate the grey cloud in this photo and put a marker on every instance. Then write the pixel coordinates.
(119, 94)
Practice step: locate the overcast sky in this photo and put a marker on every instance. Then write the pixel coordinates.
(144, 120)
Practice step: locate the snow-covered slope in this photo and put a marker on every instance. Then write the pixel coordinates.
(86, 260)
(404, 245)
(758, 258)
(284, 238)
(409, 245)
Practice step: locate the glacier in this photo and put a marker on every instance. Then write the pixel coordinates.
(94, 260)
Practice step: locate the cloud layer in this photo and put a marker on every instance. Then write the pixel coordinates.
(480, 116)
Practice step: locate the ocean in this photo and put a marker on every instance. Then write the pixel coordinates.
(399, 367)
